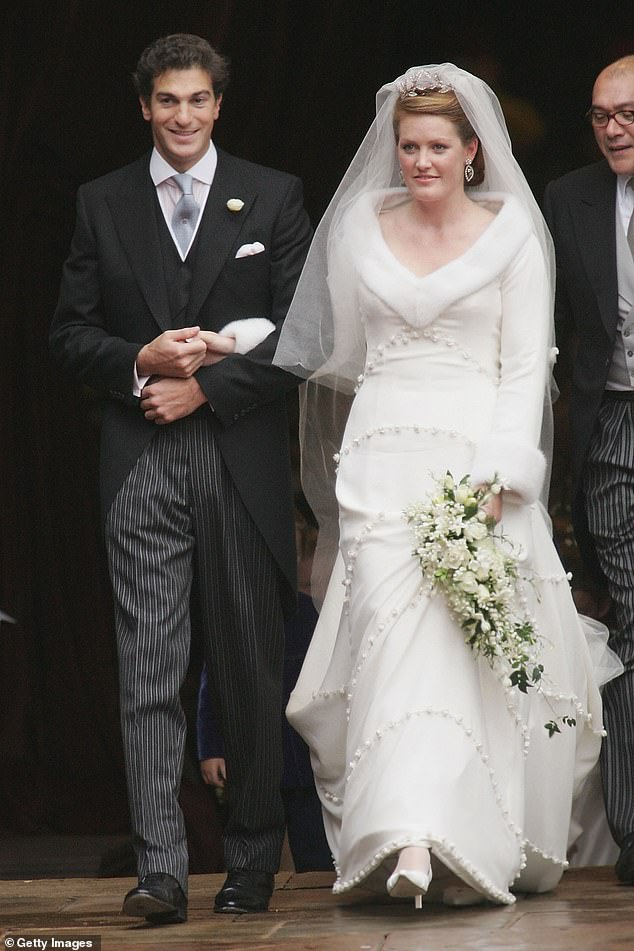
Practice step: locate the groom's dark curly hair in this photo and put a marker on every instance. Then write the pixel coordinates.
(179, 51)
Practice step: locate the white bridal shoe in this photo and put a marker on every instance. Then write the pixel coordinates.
(412, 876)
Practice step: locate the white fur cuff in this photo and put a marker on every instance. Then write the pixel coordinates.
(521, 466)
(248, 333)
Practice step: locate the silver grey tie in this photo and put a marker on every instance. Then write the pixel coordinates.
(186, 212)
(630, 227)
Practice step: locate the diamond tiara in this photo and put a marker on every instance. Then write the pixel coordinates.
(415, 83)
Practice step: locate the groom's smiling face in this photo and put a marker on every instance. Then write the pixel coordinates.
(182, 111)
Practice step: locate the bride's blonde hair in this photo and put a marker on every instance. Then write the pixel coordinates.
(433, 102)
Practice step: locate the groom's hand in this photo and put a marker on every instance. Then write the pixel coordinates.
(176, 353)
(166, 399)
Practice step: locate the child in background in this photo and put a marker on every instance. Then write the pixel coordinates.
(304, 824)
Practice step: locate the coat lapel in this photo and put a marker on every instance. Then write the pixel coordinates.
(594, 218)
(219, 229)
(134, 212)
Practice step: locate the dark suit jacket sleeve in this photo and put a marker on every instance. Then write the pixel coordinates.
(563, 316)
(564, 325)
(554, 201)
(80, 340)
(242, 382)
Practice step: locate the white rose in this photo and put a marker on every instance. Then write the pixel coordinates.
(235, 204)
(469, 582)
(486, 558)
(475, 531)
(455, 557)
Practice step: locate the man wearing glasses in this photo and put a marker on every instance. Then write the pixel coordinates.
(590, 213)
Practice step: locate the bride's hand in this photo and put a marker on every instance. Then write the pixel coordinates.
(218, 346)
(493, 507)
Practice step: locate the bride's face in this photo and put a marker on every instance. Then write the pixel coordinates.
(432, 156)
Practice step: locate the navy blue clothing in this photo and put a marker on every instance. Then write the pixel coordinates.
(304, 821)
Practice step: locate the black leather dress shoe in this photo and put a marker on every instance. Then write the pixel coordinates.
(244, 891)
(158, 898)
(624, 867)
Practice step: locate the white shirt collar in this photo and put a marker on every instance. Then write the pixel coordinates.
(622, 190)
(204, 169)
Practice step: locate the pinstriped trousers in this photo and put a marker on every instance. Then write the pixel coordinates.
(178, 515)
(609, 490)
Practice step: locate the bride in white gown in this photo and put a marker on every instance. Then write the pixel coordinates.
(440, 316)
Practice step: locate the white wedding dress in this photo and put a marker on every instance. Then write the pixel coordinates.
(413, 738)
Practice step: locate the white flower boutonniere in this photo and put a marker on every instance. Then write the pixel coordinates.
(478, 574)
(235, 204)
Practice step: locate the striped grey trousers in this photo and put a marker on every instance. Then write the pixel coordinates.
(609, 491)
(178, 517)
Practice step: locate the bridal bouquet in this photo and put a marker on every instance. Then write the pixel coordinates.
(478, 575)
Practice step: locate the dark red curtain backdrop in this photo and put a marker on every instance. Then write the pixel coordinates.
(302, 95)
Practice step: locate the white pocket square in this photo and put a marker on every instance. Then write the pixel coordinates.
(248, 249)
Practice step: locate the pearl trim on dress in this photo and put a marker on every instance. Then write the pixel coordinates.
(407, 334)
(442, 848)
(382, 627)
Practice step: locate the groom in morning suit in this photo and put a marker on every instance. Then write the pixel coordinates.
(590, 214)
(171, 301)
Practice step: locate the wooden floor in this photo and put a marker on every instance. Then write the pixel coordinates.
(589, 911)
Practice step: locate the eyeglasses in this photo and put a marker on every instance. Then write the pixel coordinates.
(599, 119)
